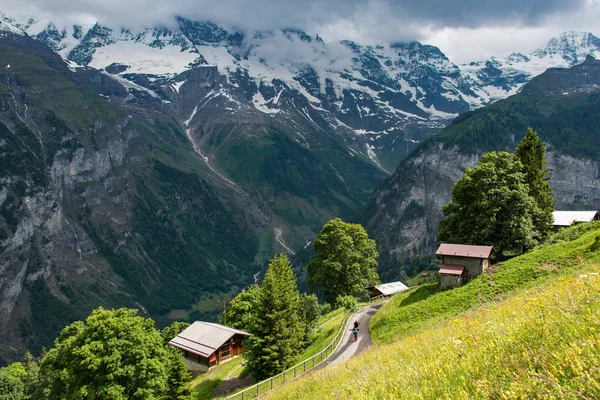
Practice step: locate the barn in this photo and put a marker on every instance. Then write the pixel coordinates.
(206, 344)
(387, 289)
(567, 218)
(462, 262)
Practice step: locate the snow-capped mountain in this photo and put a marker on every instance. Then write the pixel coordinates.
(573, 47)
(171, 160)
(501, 77)
(393, 95)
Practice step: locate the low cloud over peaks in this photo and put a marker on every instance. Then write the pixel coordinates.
(370, 21)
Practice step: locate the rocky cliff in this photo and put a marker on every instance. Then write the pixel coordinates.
(105, 205)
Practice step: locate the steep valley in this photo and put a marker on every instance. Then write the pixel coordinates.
(111, 196)
(160, 169)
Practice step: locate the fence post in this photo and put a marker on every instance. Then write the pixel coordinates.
(257, 387)
(243, 394)
(283, 376)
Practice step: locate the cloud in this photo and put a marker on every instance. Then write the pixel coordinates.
(476, 26)
(302, 14)
(290, 50)
(464, 44)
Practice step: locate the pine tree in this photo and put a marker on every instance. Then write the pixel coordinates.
(278, 330)
(178, 375)
(532, 154)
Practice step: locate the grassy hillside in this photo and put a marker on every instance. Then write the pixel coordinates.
(232, 376)
(530, 329)
(419, 308)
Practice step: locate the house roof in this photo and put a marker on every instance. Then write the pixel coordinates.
(388, 289)
(449, 269)
(566, 218)
(464, 250)
(204, 338)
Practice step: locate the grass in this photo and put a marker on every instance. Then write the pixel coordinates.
(212, 302)
(542, 343)
(530, 329)
(323, 336)
(420, 280)
(424, 306)
(205, 385)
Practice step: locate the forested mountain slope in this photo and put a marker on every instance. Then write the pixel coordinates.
(106, 203)
(563, 105)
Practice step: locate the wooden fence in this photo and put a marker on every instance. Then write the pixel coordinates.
(297, 370)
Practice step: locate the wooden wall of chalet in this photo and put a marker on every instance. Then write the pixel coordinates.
(473, 266)
(449, 281)
(230, 349)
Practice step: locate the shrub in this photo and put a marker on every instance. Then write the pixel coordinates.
(346, 302)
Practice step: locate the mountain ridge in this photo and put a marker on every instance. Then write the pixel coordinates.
(392, 96)
(160, 169)
(403, 214)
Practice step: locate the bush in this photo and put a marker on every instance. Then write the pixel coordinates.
(346, 302)
(325, 308)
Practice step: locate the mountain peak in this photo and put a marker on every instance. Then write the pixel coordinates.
(573, 46)
(7, 26)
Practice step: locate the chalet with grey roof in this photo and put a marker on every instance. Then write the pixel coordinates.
(387, 289)
(462, 262)
(206, 344)
(563, 219)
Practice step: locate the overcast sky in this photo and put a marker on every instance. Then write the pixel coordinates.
(464, 29)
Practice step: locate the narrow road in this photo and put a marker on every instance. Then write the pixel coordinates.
(348, 347)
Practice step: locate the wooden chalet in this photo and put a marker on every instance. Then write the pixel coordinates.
(462, 262)
(206, 344)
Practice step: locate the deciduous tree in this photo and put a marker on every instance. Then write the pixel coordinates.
(346, 261)
(242, 311)
(309, 311)
(491, 205)
(114, 354)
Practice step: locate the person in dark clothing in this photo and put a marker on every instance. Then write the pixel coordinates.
(356, 324)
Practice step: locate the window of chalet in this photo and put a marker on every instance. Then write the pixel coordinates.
(226, 352)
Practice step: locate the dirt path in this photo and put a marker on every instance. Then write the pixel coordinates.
(349, 348)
